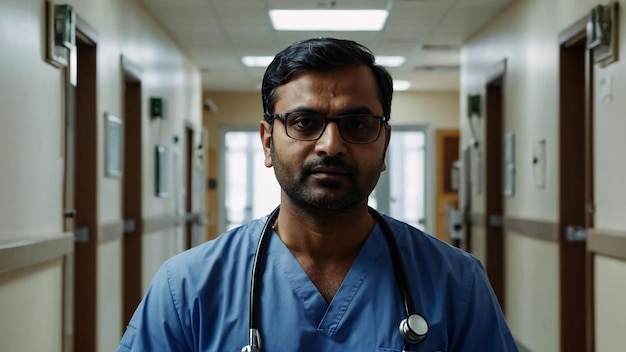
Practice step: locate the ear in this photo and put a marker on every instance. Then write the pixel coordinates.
(265, 129)
(387, 138)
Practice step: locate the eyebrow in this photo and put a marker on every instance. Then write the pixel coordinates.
(352, 111)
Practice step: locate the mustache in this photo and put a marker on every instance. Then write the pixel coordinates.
(329, 161)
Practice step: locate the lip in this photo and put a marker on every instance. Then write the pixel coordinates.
(329, 173)
(329, 170)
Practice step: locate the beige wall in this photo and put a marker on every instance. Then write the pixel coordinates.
(477, 244)
(436, 110)
(609, 127)
(32, 145)
(31, 305)
(609, 308)
(526, 35)
(531, 290)
(440, 110)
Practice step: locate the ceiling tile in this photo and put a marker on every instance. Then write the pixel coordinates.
(216, 33)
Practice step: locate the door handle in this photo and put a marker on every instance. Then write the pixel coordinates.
(495, 220)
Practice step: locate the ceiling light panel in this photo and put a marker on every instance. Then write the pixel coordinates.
(390, 61)
(326, 4)
(328, 20)
(257, 61)
(401, 85)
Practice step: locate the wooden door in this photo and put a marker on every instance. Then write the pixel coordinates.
(494, 185)
(575, 188)
(132, 206)
(189, 168)
(447, 153)
(85, 191)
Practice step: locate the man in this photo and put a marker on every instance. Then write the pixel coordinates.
(331, 275)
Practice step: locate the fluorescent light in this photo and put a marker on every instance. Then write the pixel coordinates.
(390, 61)
(328, 20)
(257, 61)
(401, 85)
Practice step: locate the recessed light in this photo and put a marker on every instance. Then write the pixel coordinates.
(401, 85)
(257, 61)
(328, 20)
(390, 61)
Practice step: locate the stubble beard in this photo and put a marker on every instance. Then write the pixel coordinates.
(324, 195)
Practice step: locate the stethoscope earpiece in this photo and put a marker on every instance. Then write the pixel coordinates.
(413, 328)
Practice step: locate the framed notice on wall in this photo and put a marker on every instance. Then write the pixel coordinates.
(466, 179)
(509, 165)
(160, 170)
(113, 148)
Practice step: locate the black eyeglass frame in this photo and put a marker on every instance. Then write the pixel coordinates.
(270, 117)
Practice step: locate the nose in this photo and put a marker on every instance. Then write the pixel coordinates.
(330, 142)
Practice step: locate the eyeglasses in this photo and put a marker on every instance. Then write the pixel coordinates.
(307, 126)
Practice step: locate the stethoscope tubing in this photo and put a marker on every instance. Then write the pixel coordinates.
(257, 268)
(259, 262)
(398, 263)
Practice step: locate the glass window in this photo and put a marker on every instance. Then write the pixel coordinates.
(400, 191)
(251, 190)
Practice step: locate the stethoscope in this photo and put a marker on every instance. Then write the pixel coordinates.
(413, 328)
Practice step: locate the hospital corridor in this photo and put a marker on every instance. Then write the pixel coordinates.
(130, 133)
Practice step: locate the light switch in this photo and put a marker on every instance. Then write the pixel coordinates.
(605, 89)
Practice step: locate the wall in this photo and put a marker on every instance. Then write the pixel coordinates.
(526, 35)
(32, 149)
(434, 109)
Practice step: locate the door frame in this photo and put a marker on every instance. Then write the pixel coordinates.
(69, 205)
(84, 315)
(132, 190)
(447, 142)
(575, 193)
(189, 223)
(494, 180)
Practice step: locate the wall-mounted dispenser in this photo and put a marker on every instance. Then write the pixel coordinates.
(64, 26)
(473, 110)
(61, 33)
(602, 29)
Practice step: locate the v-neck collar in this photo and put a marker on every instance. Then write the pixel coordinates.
(327, 317)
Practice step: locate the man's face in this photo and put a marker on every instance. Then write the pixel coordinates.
(328, 173)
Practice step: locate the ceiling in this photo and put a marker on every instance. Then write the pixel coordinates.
(215, 34)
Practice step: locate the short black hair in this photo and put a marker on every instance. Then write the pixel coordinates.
(322, 55)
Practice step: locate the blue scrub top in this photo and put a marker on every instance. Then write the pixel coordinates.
(199, 300)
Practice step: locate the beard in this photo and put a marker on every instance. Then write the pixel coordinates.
(333, 195)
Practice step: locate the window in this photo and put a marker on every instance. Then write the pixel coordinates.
(401, 190)
(250, 189)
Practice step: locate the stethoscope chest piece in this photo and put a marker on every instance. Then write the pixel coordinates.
(414, 328)
(255, 341)
(250, 349)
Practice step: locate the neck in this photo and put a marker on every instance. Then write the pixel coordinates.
(323, 235)
(326, 243)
